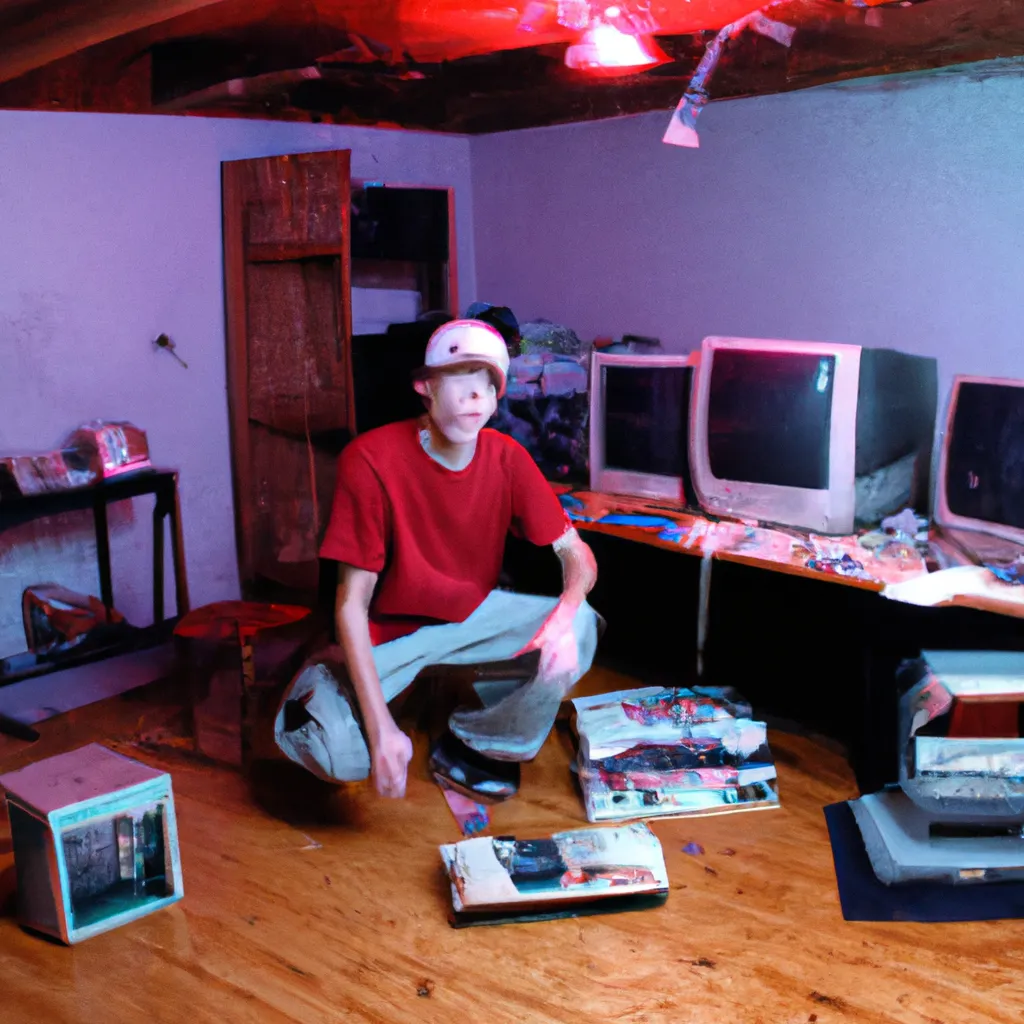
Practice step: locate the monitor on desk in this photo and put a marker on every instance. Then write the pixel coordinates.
(639, 420)
(822, 436)
(980, 486)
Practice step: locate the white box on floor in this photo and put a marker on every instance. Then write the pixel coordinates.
(95, 842)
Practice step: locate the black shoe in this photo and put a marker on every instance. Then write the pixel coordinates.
(472, 774)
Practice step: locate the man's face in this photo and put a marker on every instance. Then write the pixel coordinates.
(461, 402)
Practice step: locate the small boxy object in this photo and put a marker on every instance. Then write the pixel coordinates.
(95, 842)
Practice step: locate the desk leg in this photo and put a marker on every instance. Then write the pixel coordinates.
(99, 511)
(159, 514)
(178, 554)
(703, 609)
(875, 745)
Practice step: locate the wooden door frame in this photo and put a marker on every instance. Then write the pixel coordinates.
(235, 234)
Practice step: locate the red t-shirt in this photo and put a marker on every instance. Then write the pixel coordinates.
(435, 536)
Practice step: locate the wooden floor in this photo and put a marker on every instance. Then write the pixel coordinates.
(304, 903)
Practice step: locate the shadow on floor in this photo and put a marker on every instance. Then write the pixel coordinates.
(290, 793)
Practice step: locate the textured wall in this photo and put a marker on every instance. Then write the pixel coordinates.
(110, 232)
(886, 212)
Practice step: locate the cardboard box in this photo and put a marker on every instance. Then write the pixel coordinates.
(95, 842)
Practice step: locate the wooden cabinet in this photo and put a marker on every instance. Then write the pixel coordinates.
(290, 256)
(287, 290)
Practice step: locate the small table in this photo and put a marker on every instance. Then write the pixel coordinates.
(163, 483)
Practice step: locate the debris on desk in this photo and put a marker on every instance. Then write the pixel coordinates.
(574, 508)
(752, 540)
(638, 521)
(960, 582)
(883, 557)
(899, 538)
(836, 566)
(907, 522)
(697, 533)
(664, 527)
(897, 548)
(1012, 573)
(803, 549)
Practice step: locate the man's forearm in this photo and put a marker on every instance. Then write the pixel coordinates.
(354, 634)
(579, 569)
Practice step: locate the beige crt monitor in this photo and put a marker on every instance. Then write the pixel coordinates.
(980, 485)
(799, 471)
(639, 422)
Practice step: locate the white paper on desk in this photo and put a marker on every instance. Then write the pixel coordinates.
(944, 586)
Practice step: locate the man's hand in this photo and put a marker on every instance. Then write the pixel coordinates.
(390, 754)
(556, 640)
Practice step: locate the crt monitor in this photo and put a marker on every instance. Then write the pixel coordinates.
(980, 484)
(818, 435)
(639, 421)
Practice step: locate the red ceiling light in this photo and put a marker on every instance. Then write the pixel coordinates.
(616, 41)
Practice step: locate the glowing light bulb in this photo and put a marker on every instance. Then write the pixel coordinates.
(603, 48)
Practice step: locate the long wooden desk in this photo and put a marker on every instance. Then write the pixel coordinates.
(886, 569)
(872, 636)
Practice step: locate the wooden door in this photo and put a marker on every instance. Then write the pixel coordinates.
(286, 264)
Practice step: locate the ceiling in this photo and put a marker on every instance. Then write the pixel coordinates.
(452, 65)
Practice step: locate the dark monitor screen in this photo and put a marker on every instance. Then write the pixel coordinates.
(770, 417)
(646, 419)
(985, 457)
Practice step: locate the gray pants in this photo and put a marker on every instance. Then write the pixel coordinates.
(326, 737)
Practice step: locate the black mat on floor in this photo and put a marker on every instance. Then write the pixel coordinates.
(865, 898)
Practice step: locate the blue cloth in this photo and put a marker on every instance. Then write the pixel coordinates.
(864, 898)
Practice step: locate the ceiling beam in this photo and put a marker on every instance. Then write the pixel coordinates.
(35, 34)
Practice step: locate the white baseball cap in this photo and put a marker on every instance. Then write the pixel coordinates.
(468, 341)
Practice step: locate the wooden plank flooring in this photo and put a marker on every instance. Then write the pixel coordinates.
(313, 904)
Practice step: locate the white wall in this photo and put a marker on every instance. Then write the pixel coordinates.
(110, 233)
(886, 212)
(881, 213)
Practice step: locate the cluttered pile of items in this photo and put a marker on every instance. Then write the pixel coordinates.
(957, 814)
(643, 753)
(656, 752)
(58, 620)
(93, 452)
(925, 848)
(597, 870)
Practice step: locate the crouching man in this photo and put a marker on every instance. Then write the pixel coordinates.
(420, 518)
